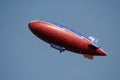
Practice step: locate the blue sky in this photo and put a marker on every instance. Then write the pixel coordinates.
(24, 57)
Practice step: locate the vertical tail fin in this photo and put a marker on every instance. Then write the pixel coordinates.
(88, 56)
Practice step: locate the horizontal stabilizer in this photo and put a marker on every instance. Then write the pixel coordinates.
(93, 46)
(88, 56)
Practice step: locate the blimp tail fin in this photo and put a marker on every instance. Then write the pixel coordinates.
(88, 56)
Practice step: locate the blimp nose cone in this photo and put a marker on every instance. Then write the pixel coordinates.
(33, 26)
(30, 25)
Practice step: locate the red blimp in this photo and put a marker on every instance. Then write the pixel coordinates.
(62, 38)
